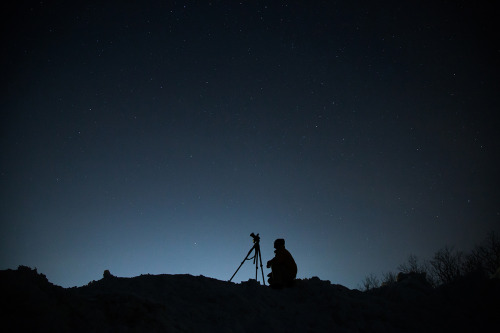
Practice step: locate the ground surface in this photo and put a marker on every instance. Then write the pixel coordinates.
(185, 303)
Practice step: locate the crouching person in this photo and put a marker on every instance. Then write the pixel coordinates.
(284, 268)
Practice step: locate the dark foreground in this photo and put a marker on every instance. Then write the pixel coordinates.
(185, 303)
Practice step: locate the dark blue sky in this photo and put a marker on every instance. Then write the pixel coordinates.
(155, 137)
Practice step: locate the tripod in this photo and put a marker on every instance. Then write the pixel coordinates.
(256, 258)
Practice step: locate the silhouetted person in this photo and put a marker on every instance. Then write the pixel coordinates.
(284, 268)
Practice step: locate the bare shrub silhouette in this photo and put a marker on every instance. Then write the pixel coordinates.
(446, 265)
(413, 265)
(388, 278)
(370, 282)
(484, 258)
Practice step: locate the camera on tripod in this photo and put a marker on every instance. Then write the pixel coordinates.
(256, 238)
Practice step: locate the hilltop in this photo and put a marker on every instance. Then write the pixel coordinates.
(186, 303)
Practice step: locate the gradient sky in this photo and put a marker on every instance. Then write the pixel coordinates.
(155, 137)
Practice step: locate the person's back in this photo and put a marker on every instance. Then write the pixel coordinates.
(284, 268)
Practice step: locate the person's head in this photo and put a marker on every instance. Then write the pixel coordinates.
(279, 243)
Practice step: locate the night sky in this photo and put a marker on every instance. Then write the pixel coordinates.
(154, 137)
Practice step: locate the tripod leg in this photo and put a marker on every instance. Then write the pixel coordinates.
(256, 265)
(246, 258)
(261, 269)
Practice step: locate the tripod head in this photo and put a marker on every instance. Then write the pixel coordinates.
(256, 238)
